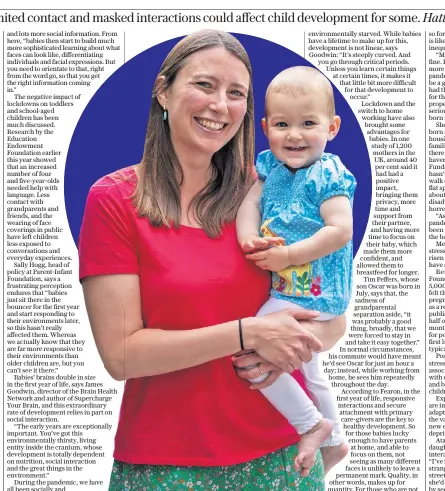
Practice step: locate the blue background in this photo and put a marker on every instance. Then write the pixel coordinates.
(111, 131)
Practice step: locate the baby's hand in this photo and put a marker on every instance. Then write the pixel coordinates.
(255, 242)
(273, 259)
(247, 243)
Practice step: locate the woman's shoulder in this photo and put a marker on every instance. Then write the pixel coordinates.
(125, 177)
(121, 182)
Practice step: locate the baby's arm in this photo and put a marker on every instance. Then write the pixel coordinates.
(336, 233)
(248, 221)
(248, 218)
(336, 213)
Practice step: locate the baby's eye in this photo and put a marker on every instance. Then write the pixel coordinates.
(308, 123)
(281, 124)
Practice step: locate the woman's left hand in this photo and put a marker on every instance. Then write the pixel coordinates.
(250, 366)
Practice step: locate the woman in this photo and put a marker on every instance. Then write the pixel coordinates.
(165, 282)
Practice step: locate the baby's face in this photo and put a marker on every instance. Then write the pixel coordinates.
(299, 127)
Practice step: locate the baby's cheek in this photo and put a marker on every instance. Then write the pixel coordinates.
(275, 140)
(272, 135)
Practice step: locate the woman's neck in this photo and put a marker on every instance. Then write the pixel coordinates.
(195, 178)
(196, 172)
(196, 169)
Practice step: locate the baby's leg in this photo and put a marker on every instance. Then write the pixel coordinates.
(334, 448)
(288, 397)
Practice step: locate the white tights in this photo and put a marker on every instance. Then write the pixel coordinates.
(288, 397)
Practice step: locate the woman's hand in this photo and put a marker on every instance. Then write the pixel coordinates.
(280, 339)
(328, 332)
(250, 366)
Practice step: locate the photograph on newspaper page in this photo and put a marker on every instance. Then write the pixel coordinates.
(215, 249)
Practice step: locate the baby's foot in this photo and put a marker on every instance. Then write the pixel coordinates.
(333, 455)
(309, 444)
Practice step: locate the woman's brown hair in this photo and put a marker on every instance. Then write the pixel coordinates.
(157, 195)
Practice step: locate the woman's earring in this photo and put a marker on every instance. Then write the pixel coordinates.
(165, 113)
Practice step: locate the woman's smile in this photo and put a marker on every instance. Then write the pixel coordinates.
(208, 124)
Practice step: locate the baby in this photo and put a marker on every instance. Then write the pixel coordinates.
(302, 205)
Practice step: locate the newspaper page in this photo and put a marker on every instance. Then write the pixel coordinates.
(76, 90)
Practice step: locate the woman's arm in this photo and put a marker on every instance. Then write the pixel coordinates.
(328, 332)
(130, 351)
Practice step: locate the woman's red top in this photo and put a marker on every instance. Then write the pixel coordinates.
(201, 416)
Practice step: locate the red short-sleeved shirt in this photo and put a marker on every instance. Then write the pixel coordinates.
(204, 415)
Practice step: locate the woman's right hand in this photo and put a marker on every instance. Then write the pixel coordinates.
(280, 339)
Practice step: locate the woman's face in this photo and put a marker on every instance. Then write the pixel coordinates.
(207, 102)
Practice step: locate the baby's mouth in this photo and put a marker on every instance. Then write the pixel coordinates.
(295, 149)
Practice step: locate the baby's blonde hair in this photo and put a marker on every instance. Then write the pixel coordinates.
(298, 80)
